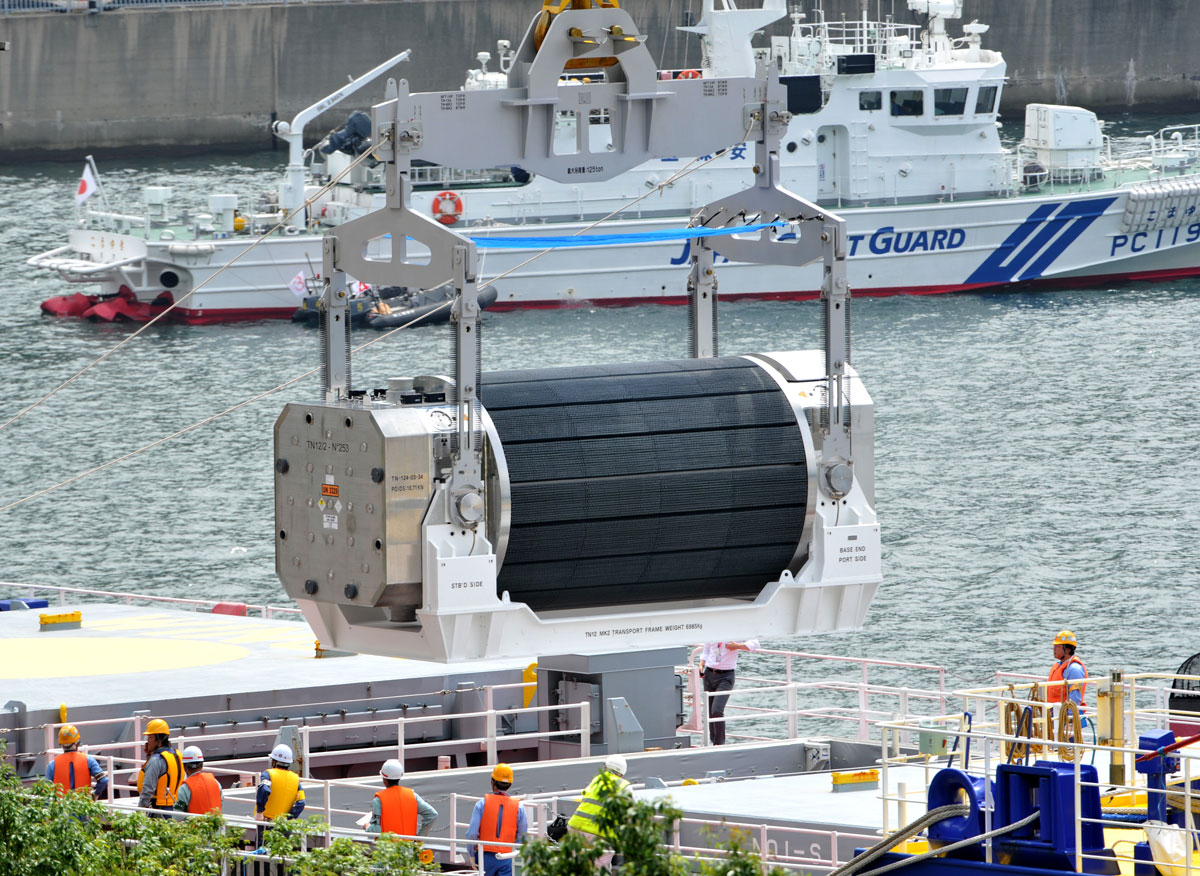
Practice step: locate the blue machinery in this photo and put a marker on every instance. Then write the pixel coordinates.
(1044, 795)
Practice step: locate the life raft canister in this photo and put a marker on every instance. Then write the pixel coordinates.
(447, 207)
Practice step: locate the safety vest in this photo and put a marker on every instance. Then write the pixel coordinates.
(397, 810)
(499, 822)
(71, 771)
(205, 792)
(285, 789)
(586, 816)
(1058, 692)
(168, 783)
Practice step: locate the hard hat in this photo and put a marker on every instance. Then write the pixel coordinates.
(68, 734)
(1066, 637)
(281, 753)
(392, 769)
(192, 754)
(156, 726)
(616, 764)
(502, 773)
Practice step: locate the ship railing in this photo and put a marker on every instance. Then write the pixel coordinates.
(1119, 790)
(238, 804)
(888, 40)
(488, 742)
(697, 838)
(1130, 706)
(437, 174)
(214, 605)
(768, 708)
(1146, 696)
(1171, 153)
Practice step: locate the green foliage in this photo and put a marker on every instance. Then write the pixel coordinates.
(44, 833)
(637, 832)
(345, 857)
(170, 847)
(571, 856)
(286, 838)
(739, 860)
(396, 856)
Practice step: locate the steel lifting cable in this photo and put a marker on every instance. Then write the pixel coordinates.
(689, 168)
(280, 224)
(961, 844)
(888, 843)
(204, 422)
(931, 817)
(669, 181)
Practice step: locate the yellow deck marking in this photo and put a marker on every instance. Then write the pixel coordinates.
(206, 628)
(50, 657)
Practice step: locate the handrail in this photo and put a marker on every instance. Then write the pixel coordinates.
(267, 610)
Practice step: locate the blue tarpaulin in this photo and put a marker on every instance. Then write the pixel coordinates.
(615, 239)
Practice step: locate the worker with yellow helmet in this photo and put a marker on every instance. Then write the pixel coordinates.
(1067, 669)
(73, 770)
(497, 818)
(159, 778)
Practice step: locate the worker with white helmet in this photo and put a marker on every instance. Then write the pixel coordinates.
(610, 780)
(73, 769)
(279, 793)
(497, 818)
(397, 809)
(1067, 669)
(200, 791)
(158, 781)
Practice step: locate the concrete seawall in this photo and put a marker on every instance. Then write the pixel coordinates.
(202, 77)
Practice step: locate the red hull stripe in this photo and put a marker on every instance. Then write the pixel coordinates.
(250, 314)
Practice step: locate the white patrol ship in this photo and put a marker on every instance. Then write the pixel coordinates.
(893, 125)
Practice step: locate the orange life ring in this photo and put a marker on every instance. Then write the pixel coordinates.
(447, 207)
(688, 74)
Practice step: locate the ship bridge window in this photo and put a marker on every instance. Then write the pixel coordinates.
(908, 102)
(985, 102)
(949, 101)
(870, 100)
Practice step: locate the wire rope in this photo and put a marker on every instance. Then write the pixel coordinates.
(282, 223)
(687, 169)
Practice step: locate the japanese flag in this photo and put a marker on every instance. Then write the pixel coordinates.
(87, 185)
(298, 286)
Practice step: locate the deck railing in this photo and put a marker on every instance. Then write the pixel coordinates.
(765, 708)
(61, 593)
(1119, 709)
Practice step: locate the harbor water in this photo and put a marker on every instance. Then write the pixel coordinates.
(1038, 453)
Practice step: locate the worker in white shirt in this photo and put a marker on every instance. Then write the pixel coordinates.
(718, 663)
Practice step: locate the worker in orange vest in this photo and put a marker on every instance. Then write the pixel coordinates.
(497, 818)
(200, 791)
(397, 809)
(73, 769)
(1068, 669)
